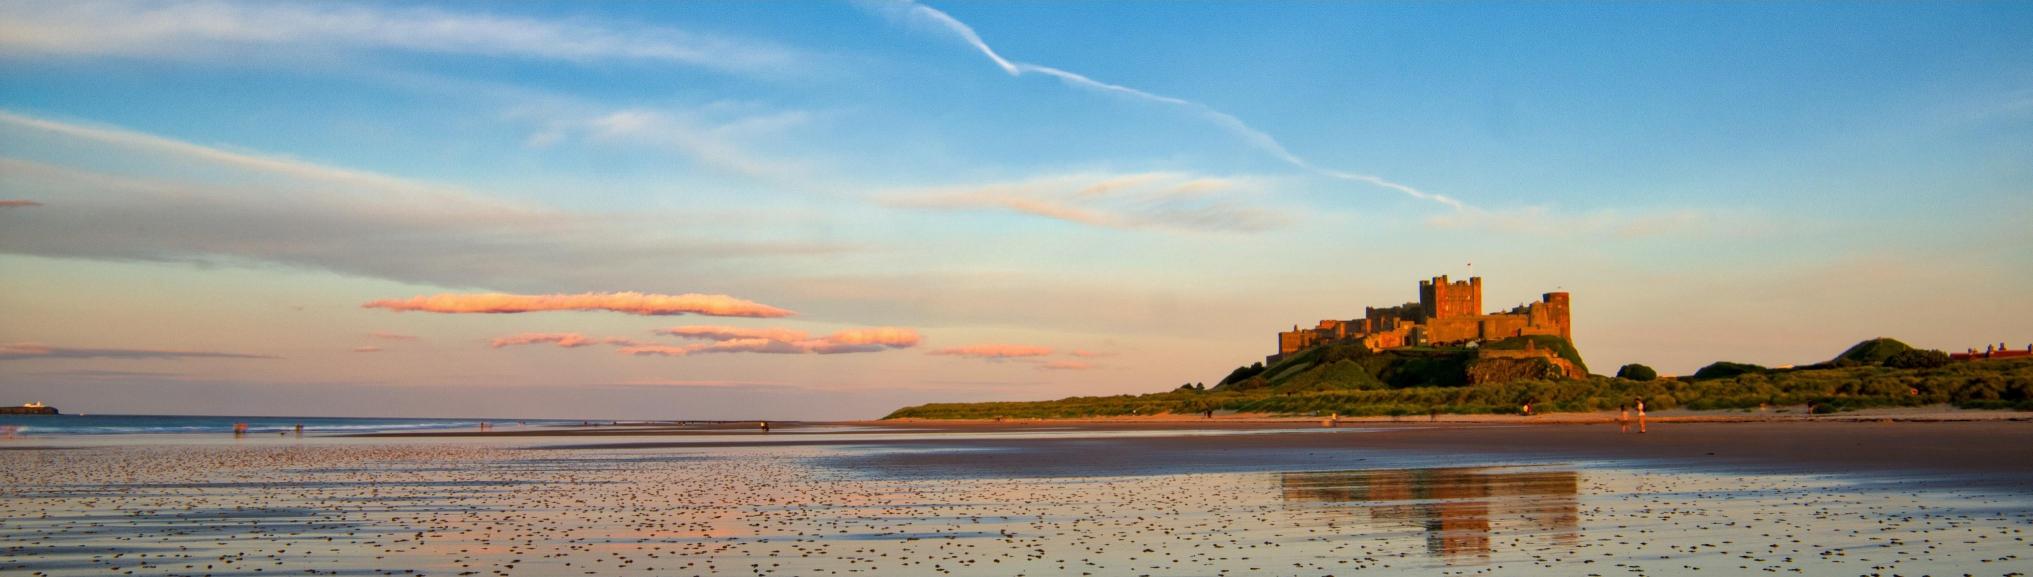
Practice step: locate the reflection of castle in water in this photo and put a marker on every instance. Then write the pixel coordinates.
(1459, 509)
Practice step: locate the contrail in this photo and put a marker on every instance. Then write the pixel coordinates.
(1254, 137)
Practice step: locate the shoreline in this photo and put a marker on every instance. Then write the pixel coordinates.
(1794, 414)
(1223, 421)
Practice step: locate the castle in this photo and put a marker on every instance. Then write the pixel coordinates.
(1447, 314)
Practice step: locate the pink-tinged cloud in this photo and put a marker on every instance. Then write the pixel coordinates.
(724, 333)
(1066, 366)
(895, 337)
(993, 351)
(366, 349)
(622, 302)
(15, 203)
(386, 336)
(566, 340)
(1086, 354)
(788, 341)
(723, 339)
(656, 350)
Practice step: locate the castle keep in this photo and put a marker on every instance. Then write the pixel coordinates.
(1447, 314)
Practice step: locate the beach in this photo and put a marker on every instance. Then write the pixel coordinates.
(1243, 497)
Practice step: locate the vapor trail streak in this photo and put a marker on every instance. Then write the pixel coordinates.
(1250, 135)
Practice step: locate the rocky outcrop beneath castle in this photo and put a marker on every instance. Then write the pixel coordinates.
(1351, 366)
(1528, 357)
(1487, 369)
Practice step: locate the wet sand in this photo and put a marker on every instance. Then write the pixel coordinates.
(1996, 451)
(1037, 499)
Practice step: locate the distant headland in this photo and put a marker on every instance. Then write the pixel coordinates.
(1444, 354)
(29, 409)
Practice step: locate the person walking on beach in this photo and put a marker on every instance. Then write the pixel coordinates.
(1641, 415)
(1623, 418)
(764, 425)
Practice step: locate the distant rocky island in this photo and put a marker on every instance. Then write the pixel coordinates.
(1443, 354)
(29, 409)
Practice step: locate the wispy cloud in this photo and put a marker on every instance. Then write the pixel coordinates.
(993, 351)
(565, 340)
(1546, 222)
(388, 336)
(33, 351)
(717, 143)
(1086, 354)
(288, 211)
(1136, 200)
(916, 12)
(18, 203)
(1066, 365)
(368, 349)
(724, 333)
(243, 30)
(785, 341)
(622, 302)
(274, 165)
(724, 339)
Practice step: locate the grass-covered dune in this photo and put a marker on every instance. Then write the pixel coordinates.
(1347, 380)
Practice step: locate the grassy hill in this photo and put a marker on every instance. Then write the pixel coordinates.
(1872, 352)
(1349, 380)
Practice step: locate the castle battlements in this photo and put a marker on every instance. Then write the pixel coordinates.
(1448, 313)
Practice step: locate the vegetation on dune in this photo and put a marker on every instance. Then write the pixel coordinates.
(1637, 372)
(1871, 352)
(1726, 370)
(1350, 380)
(1918, 359)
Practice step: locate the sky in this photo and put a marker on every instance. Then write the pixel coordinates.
(653, 210)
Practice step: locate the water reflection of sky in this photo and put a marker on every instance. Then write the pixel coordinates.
(450, 508)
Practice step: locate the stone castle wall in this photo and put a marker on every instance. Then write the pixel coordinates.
(1448, 313)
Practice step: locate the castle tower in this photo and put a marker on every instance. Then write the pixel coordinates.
(1557, 310)
(1440, 299)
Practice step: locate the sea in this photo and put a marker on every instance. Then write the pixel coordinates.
(54, 425)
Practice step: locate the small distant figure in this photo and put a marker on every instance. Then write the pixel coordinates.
(239, 429)
(1433, 416)
(1210, 413)
(299, 429)
(764, 425)
(1527, 411)
(1623, 418)
(1641, 415)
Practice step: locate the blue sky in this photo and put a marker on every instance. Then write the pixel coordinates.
(1160, 186)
